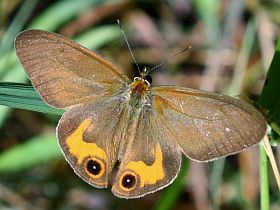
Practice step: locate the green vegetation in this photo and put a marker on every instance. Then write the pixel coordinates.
(230, 53)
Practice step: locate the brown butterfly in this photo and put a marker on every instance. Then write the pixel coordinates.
(110, 119)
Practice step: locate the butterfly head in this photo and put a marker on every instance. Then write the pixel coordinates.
(141, 84)
(143, 77)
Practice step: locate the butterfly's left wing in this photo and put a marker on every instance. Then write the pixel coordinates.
(150, 158)
(207, 125)
(89, 135)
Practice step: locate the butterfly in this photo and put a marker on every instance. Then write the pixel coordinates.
(127, 131)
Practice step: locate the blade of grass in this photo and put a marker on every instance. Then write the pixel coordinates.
(243, 58)
(216, 181)
(208, 13)
(7, 60)
(22, 96)
(102, 35)
(62, 11)
(264, 180)
(43, 148)
(18, 89)
(17, 24)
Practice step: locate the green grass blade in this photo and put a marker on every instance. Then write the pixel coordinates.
(99, 36)
(264, 180)
(216, 181)
(16, 25)
(22, 96)
(248, 41)
(31, 153)
(207, 11)
(60, 12)
(18, 89)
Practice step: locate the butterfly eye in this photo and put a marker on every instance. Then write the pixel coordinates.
(137, 79)
(148, 79)
(128, 181)
(95, 168)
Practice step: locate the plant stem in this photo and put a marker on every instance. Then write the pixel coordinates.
(264, 180)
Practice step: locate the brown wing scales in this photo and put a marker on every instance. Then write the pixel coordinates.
(207, 125)
(64, 72)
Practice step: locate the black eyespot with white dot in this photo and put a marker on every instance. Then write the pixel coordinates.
(128, 181)
(94, 167)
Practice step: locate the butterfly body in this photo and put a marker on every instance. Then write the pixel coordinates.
(110, 119)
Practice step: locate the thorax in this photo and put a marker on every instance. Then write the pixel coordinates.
(139, 94)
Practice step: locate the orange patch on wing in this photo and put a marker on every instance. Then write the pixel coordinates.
(81, 149)
(148, 174)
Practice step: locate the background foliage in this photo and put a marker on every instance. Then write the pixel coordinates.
(233, 43)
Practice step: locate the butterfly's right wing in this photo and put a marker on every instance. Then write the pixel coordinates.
(64, 72)
(207, 125)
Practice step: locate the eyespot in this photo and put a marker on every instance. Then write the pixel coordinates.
(95, 168)
(128, 181)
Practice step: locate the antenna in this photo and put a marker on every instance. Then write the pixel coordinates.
(124, 35)
(168, 59)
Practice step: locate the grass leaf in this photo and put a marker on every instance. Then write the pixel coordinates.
(270, 96)
(33, 152)
(22, 96)
(61, 12)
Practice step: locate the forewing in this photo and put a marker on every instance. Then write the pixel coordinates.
(88, 136)
(207, 125)
(64, 72)
(151, 160)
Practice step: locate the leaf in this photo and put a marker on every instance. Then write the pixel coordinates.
(22, 96)
(33, 152)
(101, 34)
(60, 12)
(270, 96)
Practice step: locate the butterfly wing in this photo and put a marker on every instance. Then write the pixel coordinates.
(64, 72)
(206, 125)
(89, 136)
(151, 159)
